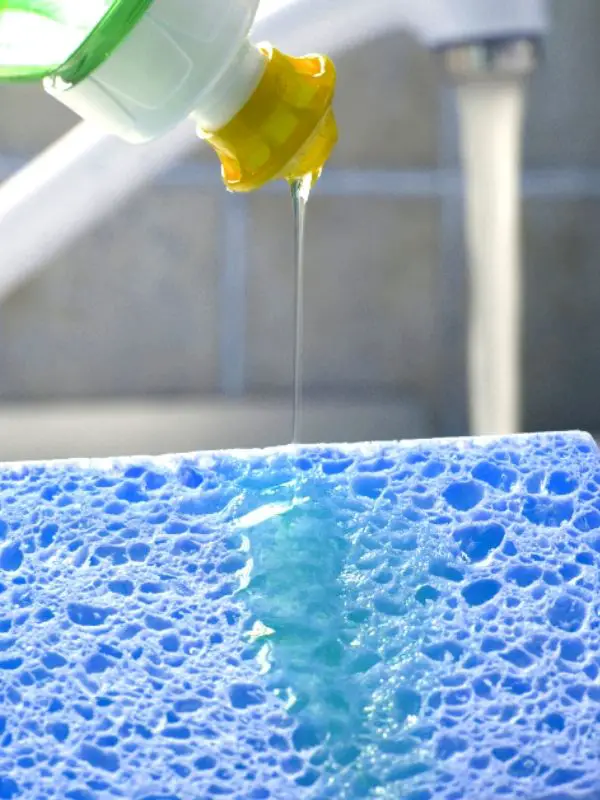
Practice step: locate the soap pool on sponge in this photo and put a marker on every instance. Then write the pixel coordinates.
(416, 621)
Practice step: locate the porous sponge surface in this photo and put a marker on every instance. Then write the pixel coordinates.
(389, 621)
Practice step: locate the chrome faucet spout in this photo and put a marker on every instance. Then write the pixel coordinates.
(492, 59)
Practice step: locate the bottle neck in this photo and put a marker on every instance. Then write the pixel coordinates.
(232, 90)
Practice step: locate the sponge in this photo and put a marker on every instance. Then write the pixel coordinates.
(416, 620)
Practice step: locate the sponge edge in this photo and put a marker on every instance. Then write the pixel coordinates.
(374, 620)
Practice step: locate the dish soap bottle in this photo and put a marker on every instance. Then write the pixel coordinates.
(137, 68)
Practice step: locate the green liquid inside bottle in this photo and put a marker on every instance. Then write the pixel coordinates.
(63, 39)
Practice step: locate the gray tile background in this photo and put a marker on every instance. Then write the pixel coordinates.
(128, 311)
(140, 307)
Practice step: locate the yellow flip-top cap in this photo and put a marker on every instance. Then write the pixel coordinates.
(287, 128)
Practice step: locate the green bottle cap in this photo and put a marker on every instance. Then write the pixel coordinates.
(64, 39)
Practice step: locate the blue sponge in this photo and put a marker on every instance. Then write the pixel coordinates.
(390, 621)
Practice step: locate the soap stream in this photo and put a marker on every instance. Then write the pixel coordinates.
(300, 189)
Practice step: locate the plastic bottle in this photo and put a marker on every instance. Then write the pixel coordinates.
(137, 68)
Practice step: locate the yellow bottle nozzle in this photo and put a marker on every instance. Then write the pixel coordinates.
(287, 128)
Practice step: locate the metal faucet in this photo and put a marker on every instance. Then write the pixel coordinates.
(492, 59)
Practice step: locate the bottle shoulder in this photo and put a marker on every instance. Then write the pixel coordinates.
(163, 69)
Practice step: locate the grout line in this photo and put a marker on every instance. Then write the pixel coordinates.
(434, 183)
(450, 409)
(232, 296)
(546, 184)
